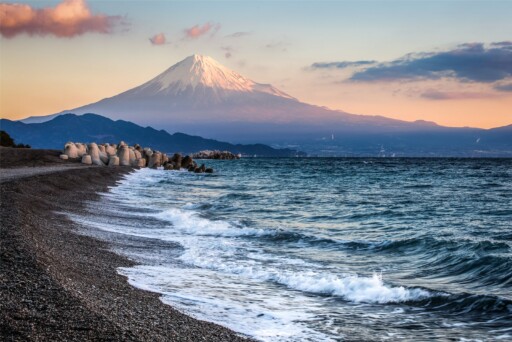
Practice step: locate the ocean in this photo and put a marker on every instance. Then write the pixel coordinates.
(323, 249)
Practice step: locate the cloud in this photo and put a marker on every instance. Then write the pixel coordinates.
(341, 65)
(503, 87)
(68, 19)
(448, 95)
(468, 62)
(238, 35)
(198, 31)
(158, 39)
(228, 51)
(283, 46)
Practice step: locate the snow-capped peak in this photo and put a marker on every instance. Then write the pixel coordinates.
(205, 71)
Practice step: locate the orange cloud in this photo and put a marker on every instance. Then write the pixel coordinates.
(198, 31)
(158, 39)
(68, 19)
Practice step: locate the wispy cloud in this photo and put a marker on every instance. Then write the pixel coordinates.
(468, 62)
(280, 45)
(454, 95)
(197, 31)
(228, 51)
(158, 39)
(238, 34)
(503, 87)
(341, 65)
(68, 19)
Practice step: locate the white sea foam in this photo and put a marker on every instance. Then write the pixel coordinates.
(190, 222)
(247, 307)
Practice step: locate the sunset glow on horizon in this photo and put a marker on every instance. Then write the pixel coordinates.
(447, 62)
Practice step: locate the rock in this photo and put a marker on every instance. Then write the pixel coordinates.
(168, 166)
(94, 152)
(198, 170)
(177, 158)
(81, 149)
(155, 160)
(111, 150)
(86, 159)
(147, 153)
(137, 153)
(203, 168)
(64, 157)
(141, 162)
(102, 149)
(124, 155)
(131, 153)
(70, 150)
(186, 162)
(191, 168)
(113, 161)
(208, 170)
(207, 154)
(104, 157)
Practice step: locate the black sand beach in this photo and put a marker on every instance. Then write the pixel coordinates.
(57, 285)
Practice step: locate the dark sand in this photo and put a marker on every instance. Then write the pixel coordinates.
(57, 285)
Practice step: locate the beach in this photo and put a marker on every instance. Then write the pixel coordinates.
(56, 284)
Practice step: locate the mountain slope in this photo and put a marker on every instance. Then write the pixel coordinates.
(55, 133)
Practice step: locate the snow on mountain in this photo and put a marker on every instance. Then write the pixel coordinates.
(204, 71)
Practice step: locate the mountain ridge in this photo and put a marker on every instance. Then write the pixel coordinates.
(90, 127)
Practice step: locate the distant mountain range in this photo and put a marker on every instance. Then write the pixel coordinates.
(202, 97)
(55, 133)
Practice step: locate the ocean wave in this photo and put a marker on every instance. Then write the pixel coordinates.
(191, 223)
(353, 288)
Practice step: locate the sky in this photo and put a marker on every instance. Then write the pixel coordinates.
(444, 61)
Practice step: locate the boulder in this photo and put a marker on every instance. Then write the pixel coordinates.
(203, 168)
(155, 160)
(86, 159)
(133, 159)
(186, 162)
(110, 150)
(94, 152)
(113, 161)
(64, 157)
(208, 170)
(177, 158)
(70, 150)
(165, 158)
(104, 157)
(81, 149)
(191, 168)
(137, 153)
(102, 148)
(141, 162)
(124, 155)
(147, 153)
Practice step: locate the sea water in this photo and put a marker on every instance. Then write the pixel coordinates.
(323, 249)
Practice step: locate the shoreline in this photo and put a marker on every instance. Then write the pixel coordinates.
(57, 284)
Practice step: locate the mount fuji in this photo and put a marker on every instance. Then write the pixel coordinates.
(200, 96)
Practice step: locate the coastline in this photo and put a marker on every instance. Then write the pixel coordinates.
(60, 285)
